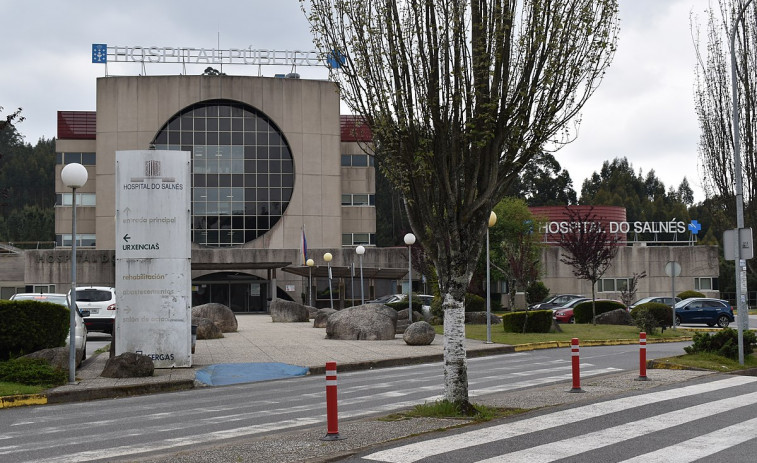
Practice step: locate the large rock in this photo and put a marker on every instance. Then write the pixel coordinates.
(219, 314)
(128, 365)
(370, 322)
(57, 357)
(615, 317)
(479, 318)
(321, 317)
(419, 334)
(288, 312)
(207, 329)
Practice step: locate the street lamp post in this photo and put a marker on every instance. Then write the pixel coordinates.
(739, 263)
(492, 221)
(73, 176)
(327, 257)
(360, 250)
(310, 264)
(409, 241)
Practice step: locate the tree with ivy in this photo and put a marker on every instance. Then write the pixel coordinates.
(460, 96)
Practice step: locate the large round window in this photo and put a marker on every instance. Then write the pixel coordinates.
(242, 170)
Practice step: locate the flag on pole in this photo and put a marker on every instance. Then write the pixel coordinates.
(304, 247)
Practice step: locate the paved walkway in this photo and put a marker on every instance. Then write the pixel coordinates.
(258, 340)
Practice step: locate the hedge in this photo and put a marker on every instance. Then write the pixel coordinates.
(583, 313)
(536, 321)
(662, 313)
(687, 294)
(29, 326)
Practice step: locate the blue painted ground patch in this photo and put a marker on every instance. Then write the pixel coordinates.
(223, 374)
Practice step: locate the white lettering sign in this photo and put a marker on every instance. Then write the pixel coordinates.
(153, 256)
(208, 56)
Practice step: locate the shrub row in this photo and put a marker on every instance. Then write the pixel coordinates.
(583, 311)
(724, 343)
(535, 321)
(29, 326)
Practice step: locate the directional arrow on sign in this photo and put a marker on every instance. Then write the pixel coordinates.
(127, 237)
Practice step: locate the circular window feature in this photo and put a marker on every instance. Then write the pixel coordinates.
(242, 170)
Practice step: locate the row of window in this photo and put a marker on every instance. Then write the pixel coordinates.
(358, 200)
(357, 160)
(87, 159)
(621, 284)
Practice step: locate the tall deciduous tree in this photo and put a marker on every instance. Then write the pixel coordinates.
(589, 248)
(460, 95)
(714, 107)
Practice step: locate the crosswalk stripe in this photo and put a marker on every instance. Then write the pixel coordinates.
(594, 440)
(417, 451)
(701, 446)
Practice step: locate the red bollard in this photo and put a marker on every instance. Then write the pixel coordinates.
(642, 357)
(576, 369)
(332, 418)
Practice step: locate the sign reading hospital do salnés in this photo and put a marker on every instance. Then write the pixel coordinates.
(153, 256)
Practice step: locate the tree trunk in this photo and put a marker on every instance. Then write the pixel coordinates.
(455, 363)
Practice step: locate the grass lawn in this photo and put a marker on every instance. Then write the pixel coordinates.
(706, 361)
(18, 389)
(583, 332)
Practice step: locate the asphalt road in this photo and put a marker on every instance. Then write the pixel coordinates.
(137, 427)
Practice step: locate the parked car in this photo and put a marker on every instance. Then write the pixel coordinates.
(80, 329)
(670, 301)
(565, 314)
(100, 301)
(554, 301)
(704, 310)
(390, 298)
(571, 303)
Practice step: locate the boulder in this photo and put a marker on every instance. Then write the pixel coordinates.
(57, 357)
(128, 365)
(479, 318)
(288, 311)
(402, 315)
(369, 322)
(321, 317)
(615, 317)
(419, 334)
(219, 314)
(206, 328)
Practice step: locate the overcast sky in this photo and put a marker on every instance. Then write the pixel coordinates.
(644, 109)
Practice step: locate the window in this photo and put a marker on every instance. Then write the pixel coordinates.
(357, 160)
(82, 239)
(242, 170)
(87, 159)
(612, 284)
(358, 200)
(354, 239)
(44, 289)
(705, 284)
(82, 199)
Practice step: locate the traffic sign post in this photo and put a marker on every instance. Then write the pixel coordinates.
(738, 246)
(673, 269)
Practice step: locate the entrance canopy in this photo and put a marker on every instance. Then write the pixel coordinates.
(322, 271)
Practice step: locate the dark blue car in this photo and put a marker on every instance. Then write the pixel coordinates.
(705, 310)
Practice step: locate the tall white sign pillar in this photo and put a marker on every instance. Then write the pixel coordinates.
(153, 256)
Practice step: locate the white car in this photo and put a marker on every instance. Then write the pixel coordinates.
(80, 329)
(390, 298)
(100, 301)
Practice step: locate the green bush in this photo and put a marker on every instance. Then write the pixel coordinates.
(582, 313)
(661, 313)
(535, 321)
(537, 291)
(687, 294)
(644, 319)
(29, 326)
(724, 343)
(32, 372)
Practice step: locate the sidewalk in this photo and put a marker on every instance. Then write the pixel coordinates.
(258, 340)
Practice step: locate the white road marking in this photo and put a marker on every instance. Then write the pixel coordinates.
(419, 450)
